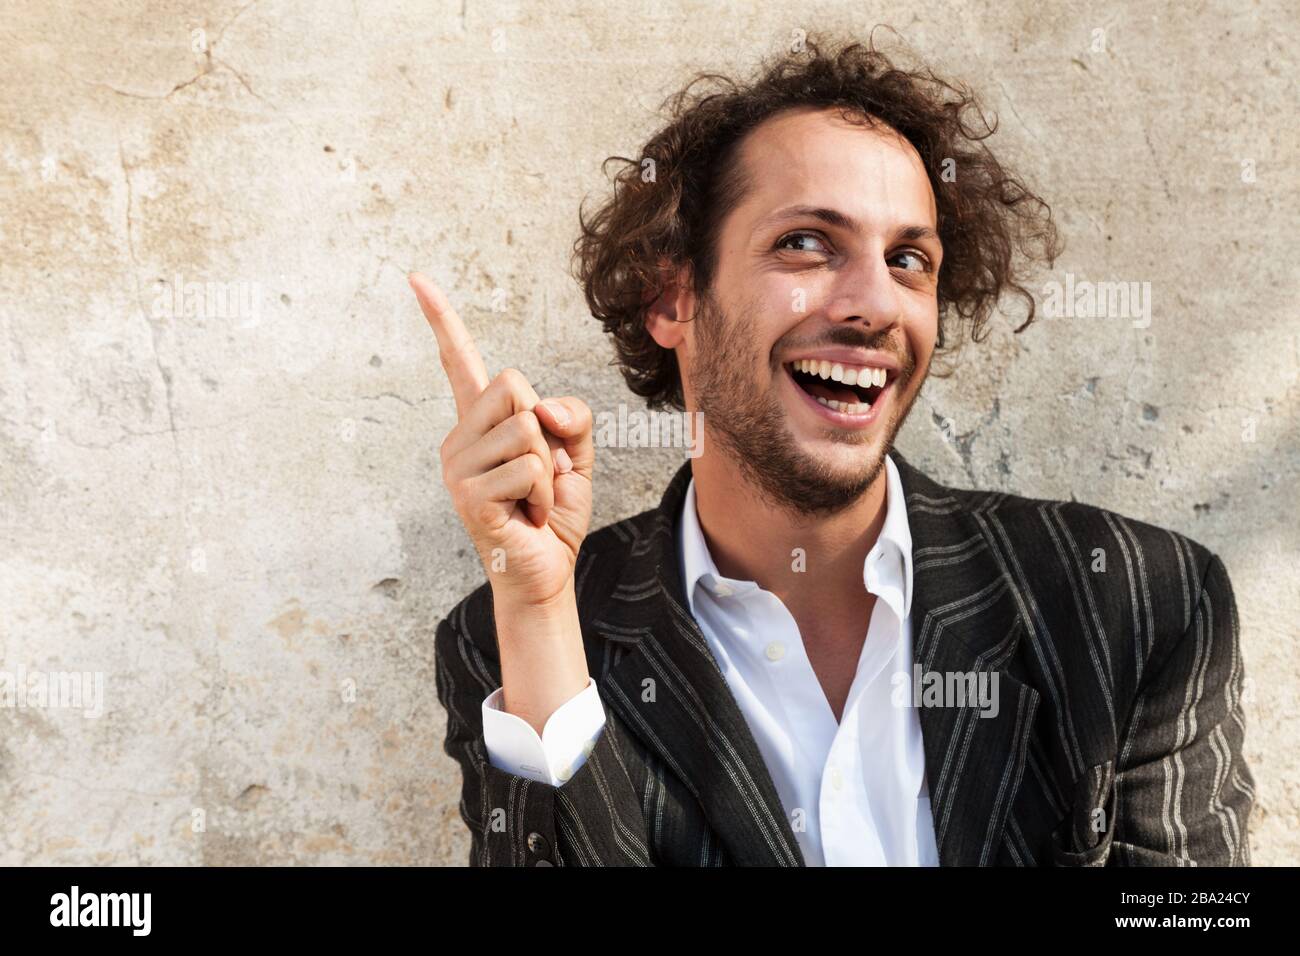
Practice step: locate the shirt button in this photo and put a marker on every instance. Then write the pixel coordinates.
(775, 651)
(723, 590)
(837, 779)
(538, 844)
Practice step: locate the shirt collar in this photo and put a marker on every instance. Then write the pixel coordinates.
(887, 572)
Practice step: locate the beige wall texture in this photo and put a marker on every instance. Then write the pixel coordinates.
(220, 408)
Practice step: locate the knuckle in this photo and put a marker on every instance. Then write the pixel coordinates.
(464, 506)
(528, 423)
(446, 452)
(450, 479)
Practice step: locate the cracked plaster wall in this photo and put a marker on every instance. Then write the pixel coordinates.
(227, 501)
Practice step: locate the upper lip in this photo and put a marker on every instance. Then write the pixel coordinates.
(857, 358)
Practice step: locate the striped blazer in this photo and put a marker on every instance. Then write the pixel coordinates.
(1117, 740)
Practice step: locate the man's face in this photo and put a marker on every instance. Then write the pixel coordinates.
(852, 286)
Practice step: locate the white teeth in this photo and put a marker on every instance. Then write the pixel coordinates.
(848, 408)
(840, 373)
(864, 377)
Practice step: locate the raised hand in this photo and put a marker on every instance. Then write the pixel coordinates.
(518, 469)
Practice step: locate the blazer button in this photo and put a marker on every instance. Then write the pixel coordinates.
(538, 844)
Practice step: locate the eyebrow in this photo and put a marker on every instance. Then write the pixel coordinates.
(837, 219)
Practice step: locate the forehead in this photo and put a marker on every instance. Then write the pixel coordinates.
(815, 157)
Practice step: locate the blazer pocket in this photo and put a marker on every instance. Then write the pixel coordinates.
(1084, 837)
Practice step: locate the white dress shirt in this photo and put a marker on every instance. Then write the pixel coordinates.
(854, 791)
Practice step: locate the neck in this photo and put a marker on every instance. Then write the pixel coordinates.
(750, 540)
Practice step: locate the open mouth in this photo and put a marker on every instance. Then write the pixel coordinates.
(852, 391)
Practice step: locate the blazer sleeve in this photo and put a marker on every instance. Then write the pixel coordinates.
(1183, 790)
(593, 819)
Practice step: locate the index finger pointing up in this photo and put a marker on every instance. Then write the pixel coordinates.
(460, 358)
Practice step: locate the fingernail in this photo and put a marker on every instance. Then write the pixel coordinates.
(558, 412)
(563, 462)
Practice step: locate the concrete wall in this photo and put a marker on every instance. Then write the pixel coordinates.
(232, 510)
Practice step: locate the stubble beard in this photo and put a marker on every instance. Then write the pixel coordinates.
(753, 431)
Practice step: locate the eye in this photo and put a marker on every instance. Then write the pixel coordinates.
(921, 262)
(782, 243)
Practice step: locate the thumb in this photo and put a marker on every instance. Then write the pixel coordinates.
(569, 419)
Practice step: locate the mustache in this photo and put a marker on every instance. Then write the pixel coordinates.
(850, 336)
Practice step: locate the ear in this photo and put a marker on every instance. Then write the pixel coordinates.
(668, 312)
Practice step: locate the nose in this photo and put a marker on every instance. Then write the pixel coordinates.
(865, 291)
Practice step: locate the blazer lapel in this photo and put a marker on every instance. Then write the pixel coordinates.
(966, 619)
(668, 690)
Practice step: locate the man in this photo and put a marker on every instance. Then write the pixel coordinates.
(810, 653)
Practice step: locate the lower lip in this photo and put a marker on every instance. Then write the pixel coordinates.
(842, 419)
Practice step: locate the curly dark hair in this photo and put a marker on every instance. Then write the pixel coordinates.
(986, 214)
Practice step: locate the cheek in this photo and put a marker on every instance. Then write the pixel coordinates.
(770, 290)
(790, 298)
(923, 334)
(764, 314)
(783, 304)
(922, 337)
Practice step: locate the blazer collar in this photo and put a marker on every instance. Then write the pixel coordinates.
(966, 618)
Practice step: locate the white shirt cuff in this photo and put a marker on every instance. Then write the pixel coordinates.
(567, 739)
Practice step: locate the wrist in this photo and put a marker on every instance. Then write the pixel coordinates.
(558, 604)
(543, 659)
